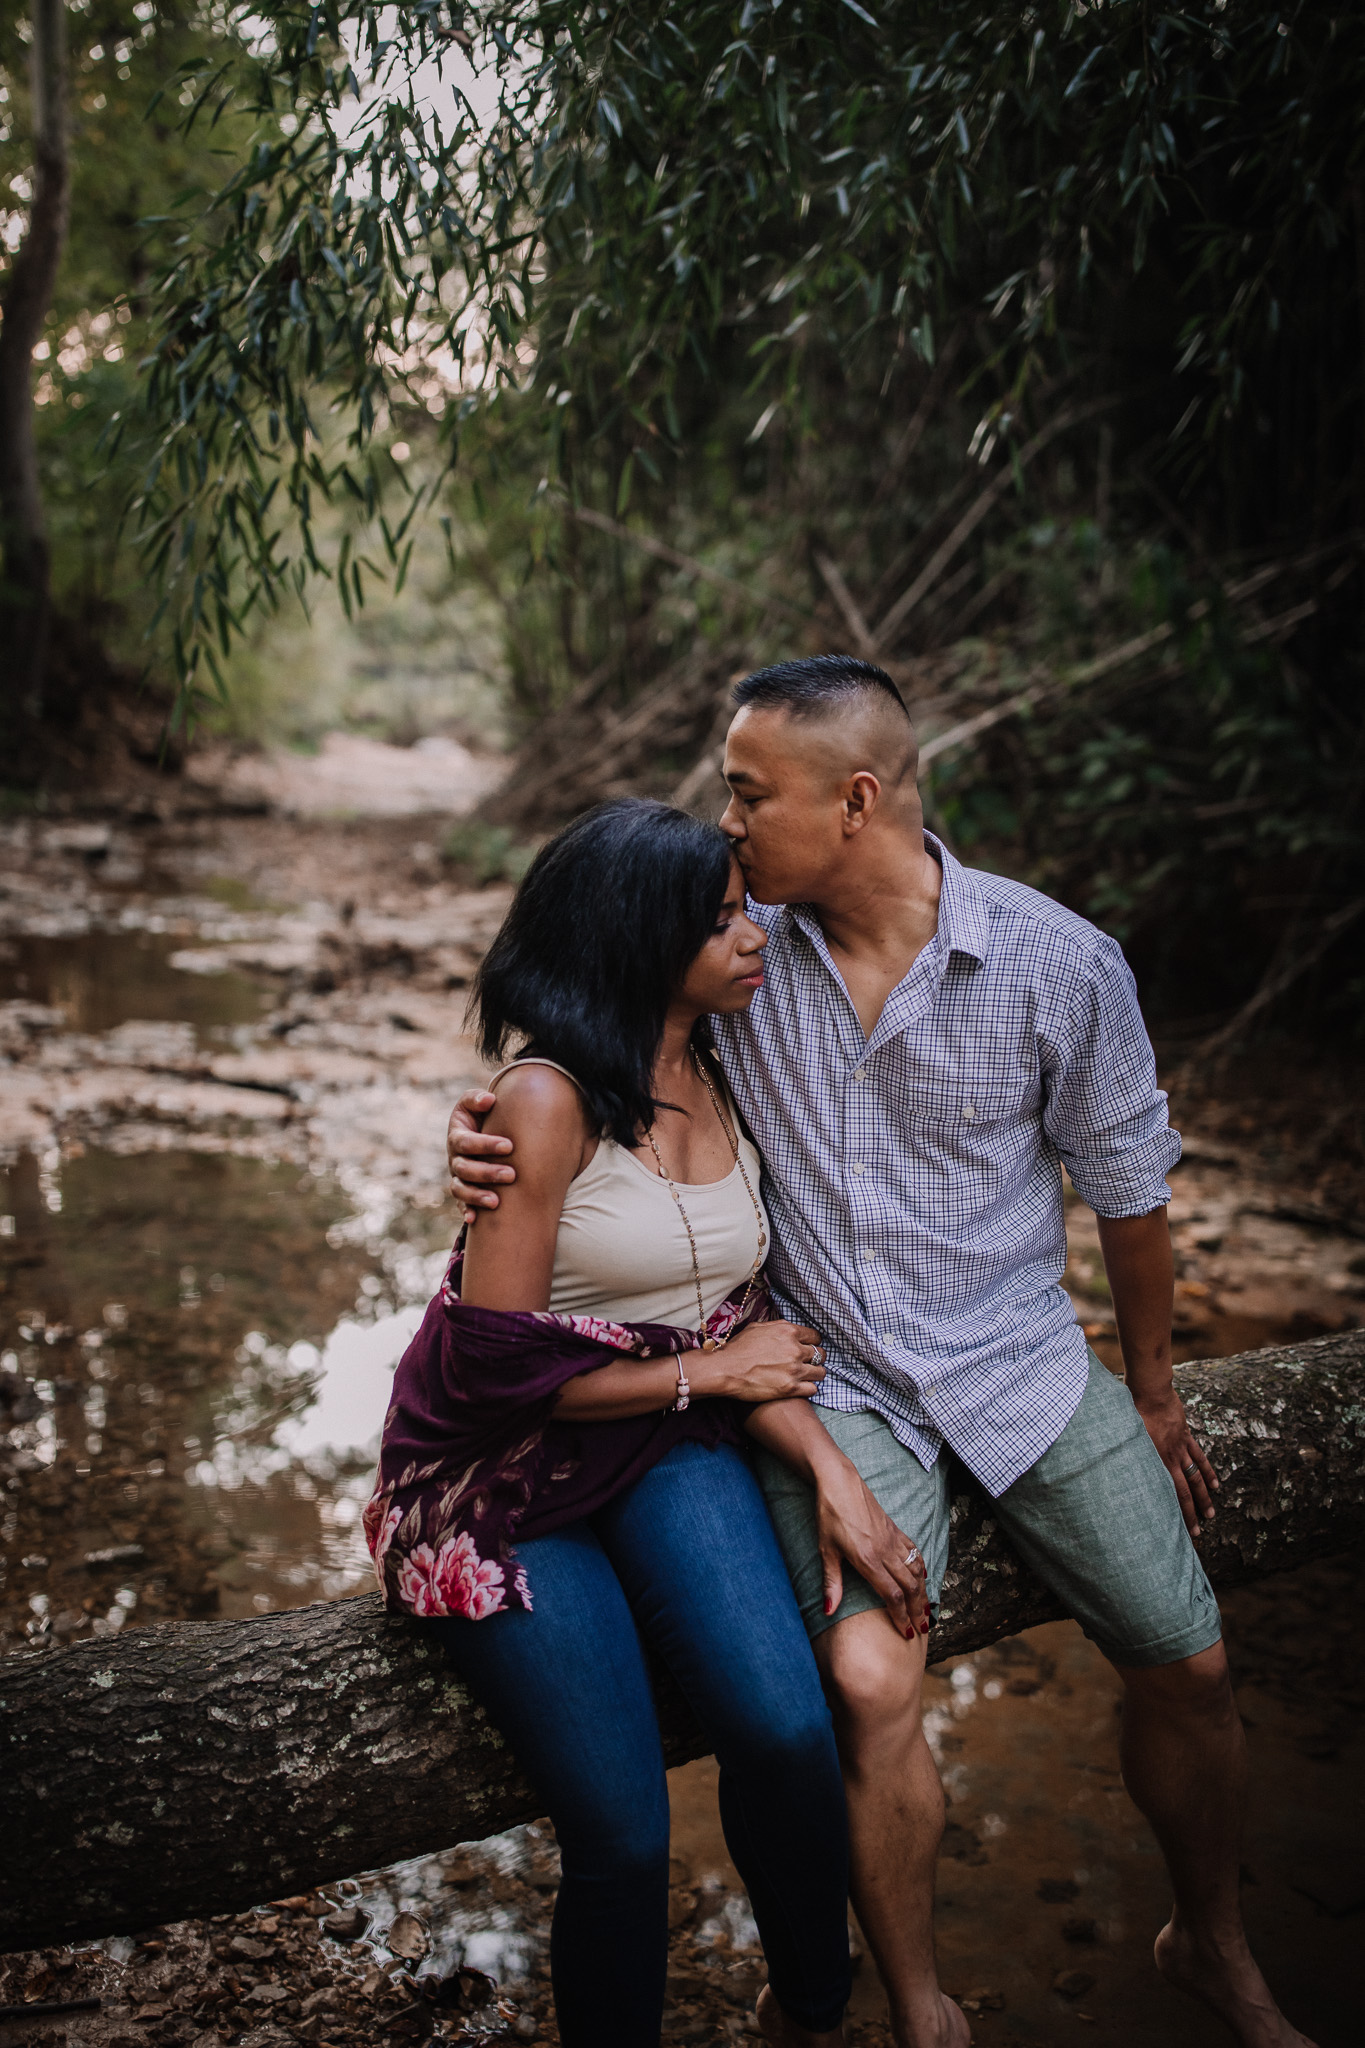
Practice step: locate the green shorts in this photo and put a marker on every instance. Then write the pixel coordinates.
(1096, 1519)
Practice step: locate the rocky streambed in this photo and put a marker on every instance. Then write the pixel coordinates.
(229, 1042)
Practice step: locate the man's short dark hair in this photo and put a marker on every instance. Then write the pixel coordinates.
(805, 688)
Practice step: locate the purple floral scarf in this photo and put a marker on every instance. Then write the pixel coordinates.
(472, 1455)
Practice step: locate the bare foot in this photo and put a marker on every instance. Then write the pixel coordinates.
(1231, 1985)
(943, 2024)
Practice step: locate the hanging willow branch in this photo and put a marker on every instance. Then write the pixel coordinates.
(595, 208)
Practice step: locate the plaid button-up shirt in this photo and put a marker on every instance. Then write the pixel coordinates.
(914, 1178)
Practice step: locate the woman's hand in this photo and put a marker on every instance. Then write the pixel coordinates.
(853, 1524)
(766, 1362)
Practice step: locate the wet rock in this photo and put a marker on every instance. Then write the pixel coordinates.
(248, 1949)
(408, 1938)
(19, 1402)
(90, 840)
(347, 1925)
(21, 1024)
(682, 1907)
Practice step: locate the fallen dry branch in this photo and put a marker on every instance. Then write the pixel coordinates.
(1281, 977)
(675, 558)
(848, 606)
(587, 750)
(1070, 416)
(1114, 658)
(197, 1767)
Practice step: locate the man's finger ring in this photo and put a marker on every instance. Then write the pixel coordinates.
(1186, 1470)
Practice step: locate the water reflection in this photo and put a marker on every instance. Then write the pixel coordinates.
(100, 979)
(194, 1360)
(195, 1354)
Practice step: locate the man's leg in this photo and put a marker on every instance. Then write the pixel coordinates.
(1097, 1519)
(1184, 1763)
(873, 1679)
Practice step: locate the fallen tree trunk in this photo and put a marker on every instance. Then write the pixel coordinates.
(198, 1767)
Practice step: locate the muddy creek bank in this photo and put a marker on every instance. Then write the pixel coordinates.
(229, 1050)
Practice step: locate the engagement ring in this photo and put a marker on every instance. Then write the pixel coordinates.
(817, 1356)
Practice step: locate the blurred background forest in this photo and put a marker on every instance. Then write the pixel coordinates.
(412, 418)
(523, 372)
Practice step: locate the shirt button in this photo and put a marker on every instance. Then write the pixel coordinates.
(858, 1073)
(968, 1111)
(931, 1388)
(888, 1336)
(867, 1255)
(858, 1166)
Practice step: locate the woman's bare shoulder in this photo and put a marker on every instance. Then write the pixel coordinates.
(540, 1107)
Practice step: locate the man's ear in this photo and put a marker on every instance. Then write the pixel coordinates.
(861, 797)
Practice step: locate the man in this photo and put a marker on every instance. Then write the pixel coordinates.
(931, 1044)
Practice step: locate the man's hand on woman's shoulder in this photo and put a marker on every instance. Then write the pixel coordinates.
(477, 1159)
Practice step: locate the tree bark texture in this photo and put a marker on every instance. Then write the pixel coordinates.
(199, 1767)
(32, 275)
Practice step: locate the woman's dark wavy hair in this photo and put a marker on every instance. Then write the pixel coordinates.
(610, 916)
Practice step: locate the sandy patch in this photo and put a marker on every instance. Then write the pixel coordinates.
(352, 776)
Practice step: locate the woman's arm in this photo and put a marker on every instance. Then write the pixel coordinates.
(851, 1521)
(510, 1251)
(766, 1362)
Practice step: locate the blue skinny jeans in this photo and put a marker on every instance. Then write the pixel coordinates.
(686, 1562)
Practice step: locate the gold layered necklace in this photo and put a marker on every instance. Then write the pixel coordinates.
(710, 1343)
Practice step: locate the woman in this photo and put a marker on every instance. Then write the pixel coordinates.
(576, 1385)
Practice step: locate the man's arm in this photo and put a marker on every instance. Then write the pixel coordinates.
(477, 1160)
(1137, 1259)
(1107, 1117)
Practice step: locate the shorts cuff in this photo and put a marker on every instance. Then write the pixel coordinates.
(1171, 1649)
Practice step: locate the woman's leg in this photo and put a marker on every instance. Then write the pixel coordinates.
(695, 1551)
(567, 1686)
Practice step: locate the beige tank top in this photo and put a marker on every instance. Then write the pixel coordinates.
(622, 1252)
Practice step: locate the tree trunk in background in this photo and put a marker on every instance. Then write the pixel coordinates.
(25, 595)
(200, 1767)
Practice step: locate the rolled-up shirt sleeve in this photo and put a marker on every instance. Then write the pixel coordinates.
(1103, 1109)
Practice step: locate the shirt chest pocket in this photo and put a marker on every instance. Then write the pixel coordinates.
(968, 1103)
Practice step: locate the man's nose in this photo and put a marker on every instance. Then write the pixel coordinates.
(730, 823)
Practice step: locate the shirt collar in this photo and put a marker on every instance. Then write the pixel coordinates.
(963, 922)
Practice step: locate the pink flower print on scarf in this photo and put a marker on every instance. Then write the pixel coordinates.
(379, 1531)
(451, 1580)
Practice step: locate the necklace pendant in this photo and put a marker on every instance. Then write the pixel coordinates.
(710, 1344)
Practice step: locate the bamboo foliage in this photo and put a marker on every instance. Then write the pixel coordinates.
(603, 207)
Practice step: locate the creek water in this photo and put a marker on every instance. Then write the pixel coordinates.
(195, 1353)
